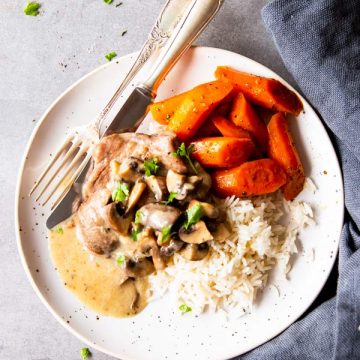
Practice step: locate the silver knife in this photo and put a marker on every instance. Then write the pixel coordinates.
(196, 17)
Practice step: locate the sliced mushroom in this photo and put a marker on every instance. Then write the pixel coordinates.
(129, 170)
(157, 185)
(135, 194)
(148, 246)
(119, 223)
(157, 216)
(195, 180)
(195, 252)
(176, 183)
(140, 268)
(221, 233)
(196, 234)
(209, 210)
(171, 247)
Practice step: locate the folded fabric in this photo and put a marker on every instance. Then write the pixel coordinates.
(319, 41)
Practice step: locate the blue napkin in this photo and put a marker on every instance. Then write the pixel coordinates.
(319, 41)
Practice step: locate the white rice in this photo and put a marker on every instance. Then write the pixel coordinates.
(264, 234)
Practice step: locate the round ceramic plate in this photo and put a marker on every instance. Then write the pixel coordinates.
(160, 332)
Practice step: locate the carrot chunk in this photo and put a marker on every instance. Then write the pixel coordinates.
(256, 177)
(222, 152)
(243, 115)
(162, 111)
(262, 91)
(283, 150)
(195, 106)
(227, 128)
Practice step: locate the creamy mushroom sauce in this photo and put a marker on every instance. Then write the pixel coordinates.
(125, 226)
(95, 280)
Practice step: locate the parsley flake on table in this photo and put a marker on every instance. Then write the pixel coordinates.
(193, 215)
(185, 152)
(184, 308)
(120, 192)
(110, 55)
(85, 353)
(108, 2)
(151, 167)
(32, 8)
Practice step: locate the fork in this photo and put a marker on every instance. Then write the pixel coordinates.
(75, 152)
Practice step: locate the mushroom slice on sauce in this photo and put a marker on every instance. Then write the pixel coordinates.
(194, 252)
(128, 170)
(158, 216)
(157, 185)
(196, 234)
(135, 194)
(148, 246)
(208, 210)
(139, 268)
(171, 247)
(118, 222)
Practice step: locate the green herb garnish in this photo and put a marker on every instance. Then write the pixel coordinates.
(171, 197)
(32, 8)
(110, 55)
(85, 353)
(108, 1)
(138, 215)
(184, 308)
(166, 234)
(193, 215)
(59, 230)
(121, 192)
(185, 152)
(151, 166)
(135, 234)
(121, 260)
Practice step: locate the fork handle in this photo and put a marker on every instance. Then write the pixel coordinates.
(197, 16)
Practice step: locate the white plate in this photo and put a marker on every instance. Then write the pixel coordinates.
(160, 332)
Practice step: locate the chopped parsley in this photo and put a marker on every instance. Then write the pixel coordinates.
(59, 230)
(110, 55)
(108, 1)
(121, 192)
(121, 260)
(138, 215)
(151, 166)
(193, 215)
(184, 308)
(32, 8)
(185, 152)
(166, 233)
(171, 197)
(85, 353)
(135, 234)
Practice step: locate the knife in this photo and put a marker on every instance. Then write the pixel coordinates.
(196, 17)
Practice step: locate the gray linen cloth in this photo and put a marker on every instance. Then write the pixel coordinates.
(319, 41)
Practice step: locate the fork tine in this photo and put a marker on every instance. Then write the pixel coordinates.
(71, 181)
(70, 152)
(51, 163)
(70, 167)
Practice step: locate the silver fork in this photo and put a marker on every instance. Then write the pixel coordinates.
(75, 152)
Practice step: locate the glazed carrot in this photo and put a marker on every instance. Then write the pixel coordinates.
(262, 91)
(208, 129)
(227, 128)
(195, 106)
(222, 152)
(223, 109)
(283, 150)
(243, 115)
(257, 177)
(162, 111)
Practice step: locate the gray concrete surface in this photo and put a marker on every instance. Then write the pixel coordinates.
(33, 55)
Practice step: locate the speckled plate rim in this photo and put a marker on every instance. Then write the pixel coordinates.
(17, 205)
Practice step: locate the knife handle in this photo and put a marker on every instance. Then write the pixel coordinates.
(197, 16)
(164, 26)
